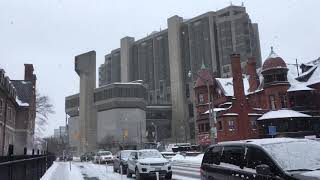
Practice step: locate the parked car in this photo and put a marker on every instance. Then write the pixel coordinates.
(168, 155)
(61, 158)
(87, 156)
(276, 158)
(103, 157)
(146, 162)
(121, 161)
(69, 157)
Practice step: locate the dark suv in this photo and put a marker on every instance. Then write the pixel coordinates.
(277, 158)
(120, 162)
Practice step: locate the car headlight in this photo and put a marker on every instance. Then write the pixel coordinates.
(144, 164)
(166, 163)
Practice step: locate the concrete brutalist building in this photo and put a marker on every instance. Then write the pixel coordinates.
(163, 59)
(107, 116)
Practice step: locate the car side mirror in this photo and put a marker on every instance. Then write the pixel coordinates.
(263, 169)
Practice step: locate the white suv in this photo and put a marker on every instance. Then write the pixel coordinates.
(148, 162)
(104, 157)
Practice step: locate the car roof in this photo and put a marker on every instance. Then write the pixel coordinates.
(142, 150)
(261, 142)
(128, 151)
(104, 151)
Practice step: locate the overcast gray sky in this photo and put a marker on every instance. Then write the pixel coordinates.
(49, 33)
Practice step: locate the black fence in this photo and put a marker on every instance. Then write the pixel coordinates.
(25, 167)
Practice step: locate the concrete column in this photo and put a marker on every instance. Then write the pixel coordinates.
(214, 58)
(125, 44)
(179, 125)
(85, 66)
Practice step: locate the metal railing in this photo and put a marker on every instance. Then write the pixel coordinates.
(24, 167)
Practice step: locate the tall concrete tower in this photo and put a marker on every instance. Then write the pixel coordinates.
(125, 43)
(179, 125)
(85, 66)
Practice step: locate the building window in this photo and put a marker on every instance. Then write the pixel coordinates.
(283, 100)
(206, 127)
(219, 126)
(9, 114)
(161, 87)
(272, 102)
(190, 107)
(187, 91)
(1, 107)
(231, 125)
(253, 123)
(201, 99)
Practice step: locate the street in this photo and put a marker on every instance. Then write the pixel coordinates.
(90, 171)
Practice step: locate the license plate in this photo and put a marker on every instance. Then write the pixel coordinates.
(157, 169)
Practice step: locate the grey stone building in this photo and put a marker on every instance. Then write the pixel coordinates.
(111, 115)
(163, 59)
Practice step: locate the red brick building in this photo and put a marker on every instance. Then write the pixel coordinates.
(17, 111)
(253, 103)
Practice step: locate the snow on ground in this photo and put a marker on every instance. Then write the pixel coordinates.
(90, 171)
(61, 171)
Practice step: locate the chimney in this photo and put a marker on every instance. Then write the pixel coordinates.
(28, 72)
(237, 79)
(251, 71)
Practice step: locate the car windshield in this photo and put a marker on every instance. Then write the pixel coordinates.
(125, 154)
(149, 154)
(105, 153)
(296, 155)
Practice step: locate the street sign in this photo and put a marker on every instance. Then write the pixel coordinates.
(272, 130)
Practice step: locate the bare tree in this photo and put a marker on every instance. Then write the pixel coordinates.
(43, 109)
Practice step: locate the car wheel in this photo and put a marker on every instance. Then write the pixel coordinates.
(138, 175)
(128, 173)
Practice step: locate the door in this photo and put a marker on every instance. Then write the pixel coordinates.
(224, 163)
(255, 156)
(132, 161)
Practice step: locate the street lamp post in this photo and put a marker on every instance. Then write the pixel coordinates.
(155, 132)
(211, 123)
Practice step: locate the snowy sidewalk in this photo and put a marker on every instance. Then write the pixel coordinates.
(61, 171)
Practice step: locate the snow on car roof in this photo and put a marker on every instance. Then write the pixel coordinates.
(265, 141)
(147, 150)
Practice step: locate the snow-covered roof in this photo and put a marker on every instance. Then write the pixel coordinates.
(226, 85)
(20, 103)
(282, 113)
(216, 110)
(299, 87)
(315, 77)
(231, 114)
